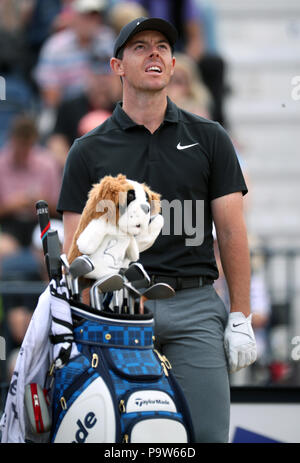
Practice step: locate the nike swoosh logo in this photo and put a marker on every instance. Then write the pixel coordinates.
(184, 147)
(238, 324)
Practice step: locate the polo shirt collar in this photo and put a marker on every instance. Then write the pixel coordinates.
(126, 122)
(171, 112)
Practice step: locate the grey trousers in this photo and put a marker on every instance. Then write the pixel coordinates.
(189, 330)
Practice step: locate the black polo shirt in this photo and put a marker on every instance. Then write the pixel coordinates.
(189, 160)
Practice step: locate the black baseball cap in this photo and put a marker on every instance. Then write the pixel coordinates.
(145, 24)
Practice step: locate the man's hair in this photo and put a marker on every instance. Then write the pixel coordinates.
(120, 53)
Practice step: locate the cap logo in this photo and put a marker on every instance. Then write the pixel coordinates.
(138, 23)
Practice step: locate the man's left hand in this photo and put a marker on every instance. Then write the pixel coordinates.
(239, 341)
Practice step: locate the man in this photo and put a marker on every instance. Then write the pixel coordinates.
(187, 159)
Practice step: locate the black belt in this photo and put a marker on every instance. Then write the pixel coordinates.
(178, 283)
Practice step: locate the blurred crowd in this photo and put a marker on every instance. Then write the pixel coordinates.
(54, 59)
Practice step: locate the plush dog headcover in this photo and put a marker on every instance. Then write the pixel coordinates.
(121, 219)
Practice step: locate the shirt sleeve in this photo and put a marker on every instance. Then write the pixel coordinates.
(76, 182)
(226, 173)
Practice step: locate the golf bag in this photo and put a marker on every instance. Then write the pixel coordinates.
(118, 388)
(107, 383)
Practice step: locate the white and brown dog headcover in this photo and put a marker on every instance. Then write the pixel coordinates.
(125, 207)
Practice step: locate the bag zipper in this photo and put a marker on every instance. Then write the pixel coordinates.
(80, 380)
(166, 365)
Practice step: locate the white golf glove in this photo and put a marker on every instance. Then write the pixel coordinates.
(239, 341)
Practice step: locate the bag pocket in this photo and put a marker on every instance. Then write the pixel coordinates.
(133, 364)
(69, 383)
(155, 427)
(91, 416)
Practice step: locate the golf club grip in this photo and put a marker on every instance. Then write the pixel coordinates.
(54, 252)
(44, 222)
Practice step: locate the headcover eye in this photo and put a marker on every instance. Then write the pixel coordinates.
(130, 196)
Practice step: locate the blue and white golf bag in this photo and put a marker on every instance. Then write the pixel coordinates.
(118, 388)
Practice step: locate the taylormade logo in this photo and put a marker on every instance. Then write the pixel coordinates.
(82, 431)
(148, 402)
(180, 218)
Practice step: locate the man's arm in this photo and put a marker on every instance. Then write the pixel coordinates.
(231, 231)
(239, 339)
(70, 221)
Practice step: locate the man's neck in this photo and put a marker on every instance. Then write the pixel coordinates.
(147, 109)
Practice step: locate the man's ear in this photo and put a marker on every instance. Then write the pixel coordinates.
(117, 66)
(173, 65)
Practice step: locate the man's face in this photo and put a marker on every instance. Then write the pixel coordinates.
(147, 62)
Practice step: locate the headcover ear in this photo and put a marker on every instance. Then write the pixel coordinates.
(105, 196)
(154, 199)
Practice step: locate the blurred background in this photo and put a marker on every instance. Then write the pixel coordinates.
(238, 63)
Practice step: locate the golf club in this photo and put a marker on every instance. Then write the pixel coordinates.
(78, 268)
(68, 279)
(133, 294)
(54, 250)
(115, 299)
(159, 291)
(137, 275)
(108, 283)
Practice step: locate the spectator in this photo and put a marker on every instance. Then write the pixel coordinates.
(28, 173)
(24, 266)
(101, 95)
(124, 12)
(64, 19)
(91, 120)
(186, 88)
(8, 245)
(39, 22)
(18, 319)
(14, 57)
(67, 56)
